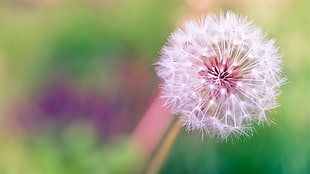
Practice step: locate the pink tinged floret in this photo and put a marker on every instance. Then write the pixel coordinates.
(221, 77)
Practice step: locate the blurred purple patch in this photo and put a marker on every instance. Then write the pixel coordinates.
(112, 113)
(60, 104)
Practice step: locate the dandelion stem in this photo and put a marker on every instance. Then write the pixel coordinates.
(161, 154)
(152, 127)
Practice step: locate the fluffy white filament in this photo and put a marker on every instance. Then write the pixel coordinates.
(220, 75)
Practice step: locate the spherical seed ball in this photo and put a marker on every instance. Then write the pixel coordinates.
(220, 74)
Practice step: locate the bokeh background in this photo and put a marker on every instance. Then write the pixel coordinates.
(76, 78)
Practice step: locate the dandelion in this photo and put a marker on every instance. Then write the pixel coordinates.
(221, 75)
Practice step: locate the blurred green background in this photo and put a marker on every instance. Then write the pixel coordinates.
(76, 78)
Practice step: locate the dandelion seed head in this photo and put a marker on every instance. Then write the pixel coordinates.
(220, 74)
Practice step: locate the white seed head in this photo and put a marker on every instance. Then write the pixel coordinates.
(220, 74)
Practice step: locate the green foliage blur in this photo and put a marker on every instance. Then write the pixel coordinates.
(100, 52)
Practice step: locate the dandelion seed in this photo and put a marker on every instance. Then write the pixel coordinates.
(223, 65)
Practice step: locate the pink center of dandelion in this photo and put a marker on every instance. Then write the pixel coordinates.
(220, 76)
